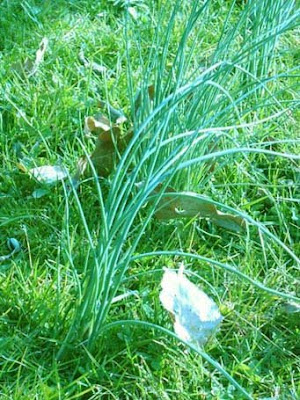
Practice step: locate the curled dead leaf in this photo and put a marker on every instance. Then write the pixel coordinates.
(110, 144)
(97, 124)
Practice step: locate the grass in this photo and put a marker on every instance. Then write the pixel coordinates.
(226, 72)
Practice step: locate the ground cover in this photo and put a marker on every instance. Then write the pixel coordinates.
(224, 72)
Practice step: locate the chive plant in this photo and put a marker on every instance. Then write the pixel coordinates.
(203, 112)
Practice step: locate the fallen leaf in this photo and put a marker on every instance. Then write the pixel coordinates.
(196, 315)
(228, 221)
(110, 144)
(41, 52)
(186, 204)
(97, 125)
(30, 67)
(49, 173)
(100, 69)
(138, 98)
(190, 205)
(80, 170)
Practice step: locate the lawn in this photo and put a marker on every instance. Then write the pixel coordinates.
(202, 170)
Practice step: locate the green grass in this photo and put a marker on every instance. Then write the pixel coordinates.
(226, 71)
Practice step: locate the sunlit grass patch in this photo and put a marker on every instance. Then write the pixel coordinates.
(221, 124)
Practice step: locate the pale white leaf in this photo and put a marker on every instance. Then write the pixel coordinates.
(49, 173)
(41, 51)
(196, 315)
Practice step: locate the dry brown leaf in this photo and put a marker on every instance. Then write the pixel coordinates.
(151, 91)
(170, 207)
(82, 164)
(110, 144)
(105, 154)
(228, 221)
(167, 204)
(138, 99)
(188, 205)
(97, 125)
